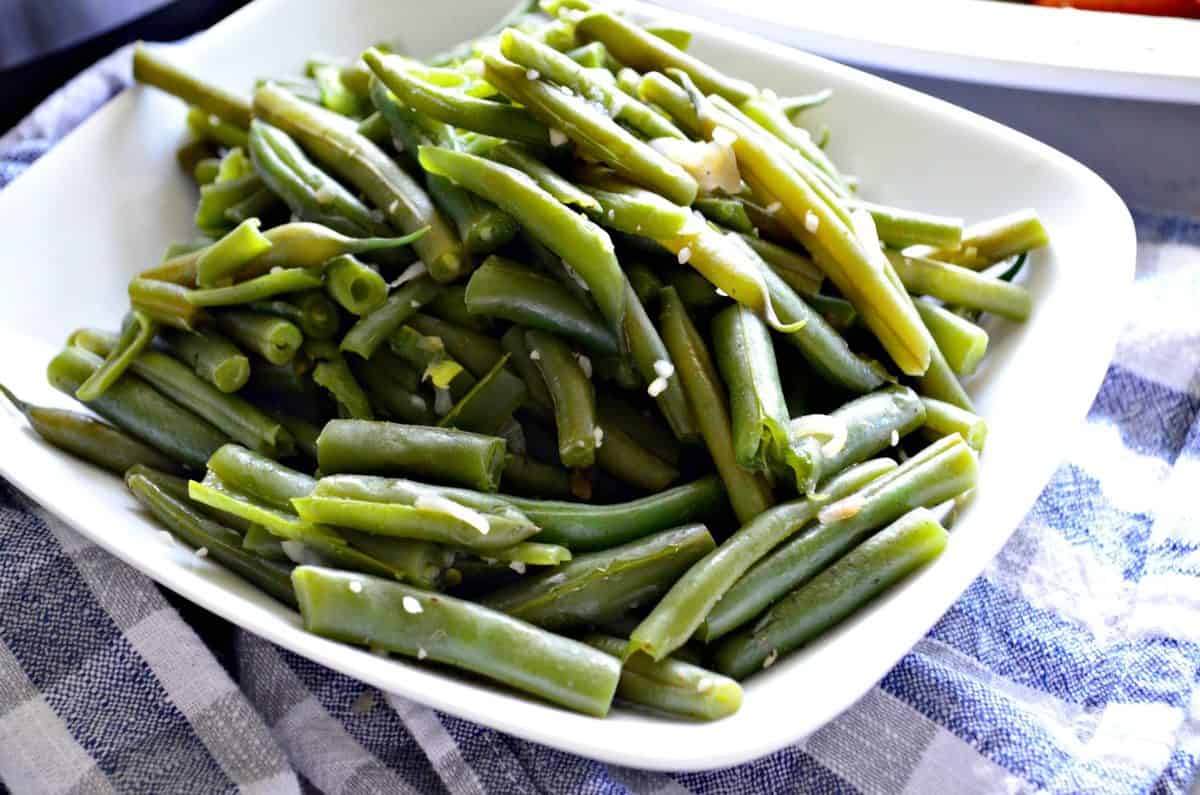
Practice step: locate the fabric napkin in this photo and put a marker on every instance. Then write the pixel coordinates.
(1070, 665)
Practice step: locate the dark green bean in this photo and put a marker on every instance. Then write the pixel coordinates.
(372, 329)
(272, 338)
(334, 374)
(490, 403)
(315, 314)
(572, 394)
(873, 423)
(477, 352)
(525, 475)
(211, 356)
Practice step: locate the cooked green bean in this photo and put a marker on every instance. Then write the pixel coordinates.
(335, 141)
(390, 448)
(625, 458)
(96, 442)
(397, 399)
(458, 633)
(477, 352)
(868, 570)
(635, 211)
(642, 50)
(962, 342)
(428, 354)
(333, 373)
(671, 686)
(800, 272)
(795, 105)
(571, 118)
(749, 492)
(272, 338)
(572, 394)
(259, 288)
(681, 612)
(532, 553)
(506, 289)
(373, 328)
(940, 382)
(644, 280)
(138, 409)
(211, 357)
(959, 286)
(902, 228)
(217, 197)
(209, 127)
(450, 305)
(312, 312)
(260, 204)
(872, 423)
(585, 247)
(490, 403)
(653, 362)
(202, 533)
(136, 335)
(996, 239)
(154, 71)
(837, 312)
(944, 419)
(767, 114)
(258, 476)
(603, 586)
(729, 213)
(206, 170)
(941, 471)
(525, 475)
(303, 432)
(547, 179)
(165, 303)
(549, 64)
(219, 262)
(640, 424)
(259, 542)
(357, 287)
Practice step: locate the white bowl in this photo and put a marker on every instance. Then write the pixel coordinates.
(104, 203)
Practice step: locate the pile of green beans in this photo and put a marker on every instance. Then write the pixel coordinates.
(561, 336)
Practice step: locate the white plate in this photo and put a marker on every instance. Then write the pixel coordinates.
(985, 41)
(105, 202)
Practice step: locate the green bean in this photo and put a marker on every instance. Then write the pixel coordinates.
(357, 287)
(334, 93)
(259, 288)
(837, 312)
(761, 441)
(389, 448)
(477, 352)
(192, 153)
(259, 542)
(602, 586)
(272, 338)
(314, 314)
(671, 686)
(944, 419)
(868, 570)
(418, 563)
(458, 633)
(940, 382)
(658, 90)
(374, 128)
(136, 335)
(396, 398)
(581, 244)
(257, 476)
(218, 263)
(209, 127)
(592, 56)
(681, 612)
(304, 433)
(729, 213)
(694, 290)
(800, 273)
(962, 342)
(450, 305)
(206, 170)
(91, 440)
(490, 403)
(902, 228)
(234, 165)
(407, 509)
(526, 475)
(792, 106)
(283, 381)
(165, 303)
(593, 132)
(766, 224)
(506, 289)
(531, 553)
(216, 198)
(960, 286)
(538, 59)
(748, 492)
(154, 71)
(625, 458)
(372, 329)
(429, 355)
(642, 50)
(572, 395)
(942, 470)
(334, 374)
(873, 423)
(260, 204)
(644, 280)
(613, 410)
(538, 397)
(771, 118)
(559, 187)
(335, 141)
(454, 108)
(196, 530)
(310, 193)
(136, 408)
(996, 239)
(635, 211)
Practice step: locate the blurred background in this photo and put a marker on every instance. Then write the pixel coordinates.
(43, 43)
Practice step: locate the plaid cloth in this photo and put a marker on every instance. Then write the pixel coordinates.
(1070, 665)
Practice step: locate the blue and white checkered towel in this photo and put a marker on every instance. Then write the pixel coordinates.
(1069, 666)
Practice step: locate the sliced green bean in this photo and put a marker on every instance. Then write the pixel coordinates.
(800, 272)
(635, 211)
(154, 71)
(940, 382)
(91, 440)
(356, 286)
(945, 419)
(997, 239)
(165, 303)
(219, 262)
(868, 570)
(477, 352)
(525, 475)
(395, 397)
(389, 448)
(902, 228)
(333, 373)
(138, 409)
(136, 335)
(272, 338)
(603, 586)
(490, 403)
(372, 329)
(681, 612)
(771, 118)
(458, 633)
(749, 492)
(962, 342)
(313, 313)
(259, 288)
(547, 179)
(873, 423)
(259, 542)
(532, 553)
(623, 456)
(572, 394)
(961, 286)
(506, 289)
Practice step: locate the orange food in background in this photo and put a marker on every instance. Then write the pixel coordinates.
(1165, 8)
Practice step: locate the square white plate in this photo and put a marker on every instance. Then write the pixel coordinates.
(103, 204)
(1066, 50)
